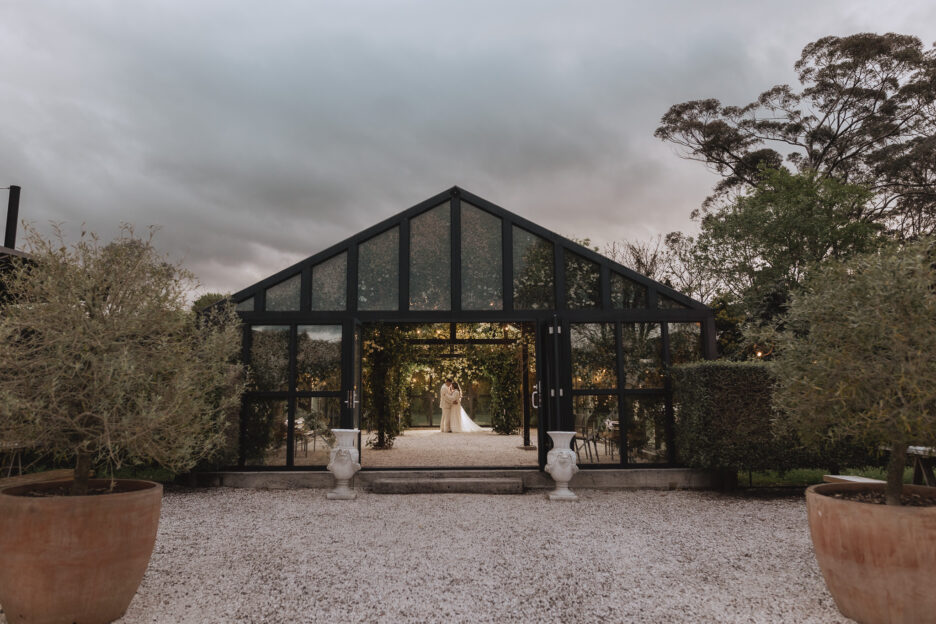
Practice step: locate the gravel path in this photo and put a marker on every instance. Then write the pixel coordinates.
(229, 555)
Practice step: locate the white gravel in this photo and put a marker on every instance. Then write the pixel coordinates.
(234, 555)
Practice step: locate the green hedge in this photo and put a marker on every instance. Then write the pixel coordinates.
(726, 420)
(724, 415)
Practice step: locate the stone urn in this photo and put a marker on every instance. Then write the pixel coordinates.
(560, 464)
(343, 463)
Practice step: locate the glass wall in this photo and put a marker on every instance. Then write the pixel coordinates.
(583, 282)
(329, 284)
(269, 358)
(594, 389)
(379, 272)
(533, 268)
(312, 437)
(284, 297)
(481, 260)
(431, 260)
(265, 425)
(318, 357)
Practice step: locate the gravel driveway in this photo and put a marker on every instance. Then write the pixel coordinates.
(234, 555)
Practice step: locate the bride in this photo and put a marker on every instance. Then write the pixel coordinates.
(463, 423)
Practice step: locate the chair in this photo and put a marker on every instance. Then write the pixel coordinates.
(586, 437)
(611, 436)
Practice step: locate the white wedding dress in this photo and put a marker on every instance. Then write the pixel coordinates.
(461, 422)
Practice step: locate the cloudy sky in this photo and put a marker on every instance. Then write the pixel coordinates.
(257, 133)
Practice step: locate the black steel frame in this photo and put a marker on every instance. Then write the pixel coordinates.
(552, 326)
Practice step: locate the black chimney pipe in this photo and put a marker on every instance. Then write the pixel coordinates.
(9, 238)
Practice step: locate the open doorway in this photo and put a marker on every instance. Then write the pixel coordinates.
(404, 368)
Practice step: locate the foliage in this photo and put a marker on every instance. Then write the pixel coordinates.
(760, 247)
(103, 363)
(866, 115)
(386, 400)
(206, 300)
(725, 415)
(728, 419)
(859, 356)
(503, 366)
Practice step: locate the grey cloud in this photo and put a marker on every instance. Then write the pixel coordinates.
(259, 135)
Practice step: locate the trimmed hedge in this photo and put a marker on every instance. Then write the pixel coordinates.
(726, 420)
(724, 415)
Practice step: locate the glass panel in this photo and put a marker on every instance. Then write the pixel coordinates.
(533, 277)
(247, 305)
(594, 356)
(487, 331)
(269, 357)
(265, 432)
(379, 272)
(646, 432)
(482, 260)
(685, 342)
(643, 361)
(329, 284)
(284, 297)
(665, 303)
(626, 293)
(583, 282)
(596, 429)
(431, 260)
(318, 357)
(312, 437)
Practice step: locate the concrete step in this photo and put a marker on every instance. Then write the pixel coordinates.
(464, 485)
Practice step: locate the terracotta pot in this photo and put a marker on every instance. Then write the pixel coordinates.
(75, 558)
(877, 560)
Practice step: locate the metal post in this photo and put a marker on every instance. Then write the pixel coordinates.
(525, 389)
(9, 238)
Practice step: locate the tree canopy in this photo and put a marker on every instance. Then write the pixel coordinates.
(866, 114)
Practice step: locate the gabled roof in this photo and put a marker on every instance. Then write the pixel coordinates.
(479, 202)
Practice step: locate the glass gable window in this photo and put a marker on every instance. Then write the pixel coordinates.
(318, 357)
(594, 356)
(481, 260)
(329, 284)
(430, 260)
(247, 305)
(533, 278)
(284, 297)
(269, 357)
(626, 293)
(583, 282)
(665, 303)
(379, 272)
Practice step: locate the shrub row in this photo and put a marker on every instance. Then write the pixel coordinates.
(726, 420)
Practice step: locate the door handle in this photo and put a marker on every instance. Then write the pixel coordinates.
(533, 396)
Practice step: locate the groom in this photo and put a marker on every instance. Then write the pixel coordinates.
(446, 401)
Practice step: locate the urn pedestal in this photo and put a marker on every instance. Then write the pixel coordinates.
(560, 464)
(343, 464)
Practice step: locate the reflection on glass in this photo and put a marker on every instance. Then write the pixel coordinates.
(487, 330)
(379, 272)
(626, 293)
(583, 282)
(482, 260)
(247, 305)
(430, 260)
(284, 297)
(643, 361)
(532, 271)
(426, 331)
(594, 356)
(318, 357)
(646, 433)
(597, 430)
(265, 424)
(329, 284)
(665, 303)
(685, 342)
(312, 436)
(269, 357)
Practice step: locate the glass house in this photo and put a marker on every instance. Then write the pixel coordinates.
(604, 335)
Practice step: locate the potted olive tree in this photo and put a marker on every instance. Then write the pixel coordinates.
(858, 360)
(102, 365)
